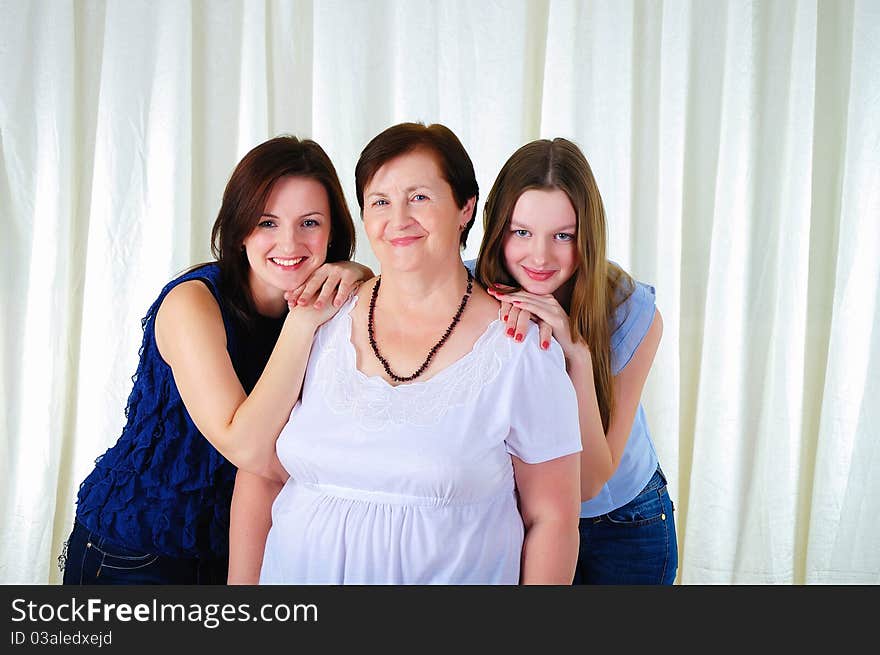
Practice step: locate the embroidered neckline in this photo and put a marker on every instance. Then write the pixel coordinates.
(374, 403)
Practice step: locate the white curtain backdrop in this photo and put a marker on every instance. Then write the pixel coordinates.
(736, 144)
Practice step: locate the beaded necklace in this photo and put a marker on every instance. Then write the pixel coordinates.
(421, 369)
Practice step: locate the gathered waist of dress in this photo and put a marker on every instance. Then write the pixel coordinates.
(389, 498)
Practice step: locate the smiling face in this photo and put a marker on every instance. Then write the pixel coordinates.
(290, 240)
(410, 213)
(540, 247)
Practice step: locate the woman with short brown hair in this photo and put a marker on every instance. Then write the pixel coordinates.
(426, 449)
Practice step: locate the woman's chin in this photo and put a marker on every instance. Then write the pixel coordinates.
(537, 288)
(403, 263)
(287, 280)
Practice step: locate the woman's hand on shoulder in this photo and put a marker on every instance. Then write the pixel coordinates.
(318, 299)
(331, 284)
(520, 307)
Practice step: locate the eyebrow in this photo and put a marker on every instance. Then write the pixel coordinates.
(566, 228)
(311, 213)
(407, 190)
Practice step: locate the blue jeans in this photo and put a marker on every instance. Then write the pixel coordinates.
(633, 544)
(90, 559)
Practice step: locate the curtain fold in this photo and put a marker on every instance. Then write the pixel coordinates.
(736, 145)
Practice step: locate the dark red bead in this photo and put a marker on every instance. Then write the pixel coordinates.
(432, 351)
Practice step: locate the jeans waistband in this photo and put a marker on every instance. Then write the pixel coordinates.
(657, 481)
(80, 529)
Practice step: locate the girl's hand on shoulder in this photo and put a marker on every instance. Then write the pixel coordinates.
(519, 307)
(330, 285)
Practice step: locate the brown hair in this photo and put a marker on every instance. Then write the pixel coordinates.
(599, 286)
(455, 164)
(244, 201)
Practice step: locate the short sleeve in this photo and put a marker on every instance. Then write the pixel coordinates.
(544, 414)
(632, 319)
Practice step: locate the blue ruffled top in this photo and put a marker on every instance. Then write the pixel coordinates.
(163, 488)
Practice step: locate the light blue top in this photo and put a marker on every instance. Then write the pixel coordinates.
(632, 318)
(631, 321)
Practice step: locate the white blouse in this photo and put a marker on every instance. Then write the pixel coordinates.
(414, 484)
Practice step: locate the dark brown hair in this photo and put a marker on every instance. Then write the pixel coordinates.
(599, 286)
(455, 164)
(244, 201)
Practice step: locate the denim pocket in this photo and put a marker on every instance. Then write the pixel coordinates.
(122, 558)
(644, 509)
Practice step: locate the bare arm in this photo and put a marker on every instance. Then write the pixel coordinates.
(192, 340)
(628, 387)
(602, 451)
(549, 502)
(597, 457)
(249, 522)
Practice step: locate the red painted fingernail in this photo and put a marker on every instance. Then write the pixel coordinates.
(519, 337)
(545, 345)
(510, 332)
(505, 318)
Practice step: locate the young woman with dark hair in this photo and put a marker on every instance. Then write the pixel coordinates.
(215, 372)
